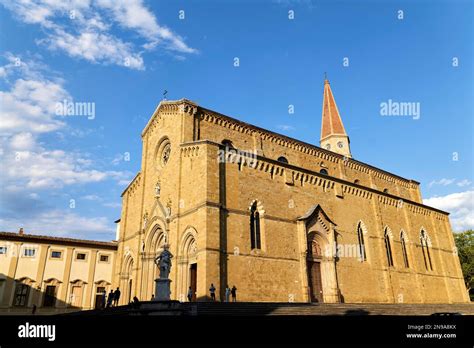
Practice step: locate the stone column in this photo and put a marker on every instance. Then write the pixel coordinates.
(302, 246)
(10, 281)
(90, 281)
(67, 272)
(43, 255)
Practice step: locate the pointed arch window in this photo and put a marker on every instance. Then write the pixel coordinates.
(404, 250)
(360, 237)
(255, 236)
(388, 247)
(425, 249)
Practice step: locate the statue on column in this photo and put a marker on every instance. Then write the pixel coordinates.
(163, 261)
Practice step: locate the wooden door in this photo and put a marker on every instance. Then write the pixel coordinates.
(76, 296)
(315, 282)
(193, 270)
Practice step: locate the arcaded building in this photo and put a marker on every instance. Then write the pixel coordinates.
(280, 219)
(51, 275)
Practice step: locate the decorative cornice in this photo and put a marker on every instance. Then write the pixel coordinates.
(133, 184)
(294, 144)
(303, 175)
(170, 107)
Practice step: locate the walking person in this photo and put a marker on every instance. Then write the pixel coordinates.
(116, 297)
(233, 291)
(190, 294)
(212, 290)
(227, 293)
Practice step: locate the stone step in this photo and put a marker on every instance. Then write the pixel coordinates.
(252, 308)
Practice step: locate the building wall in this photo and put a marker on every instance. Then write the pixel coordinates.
(43, 270)
(208, 202)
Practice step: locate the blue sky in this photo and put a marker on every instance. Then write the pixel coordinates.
(63, 175)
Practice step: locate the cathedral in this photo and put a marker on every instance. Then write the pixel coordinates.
(280, 219)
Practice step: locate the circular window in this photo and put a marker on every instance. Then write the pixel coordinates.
(328, 147)
(164, 152)
(340, 144)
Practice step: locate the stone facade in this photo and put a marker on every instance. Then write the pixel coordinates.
(210, 186)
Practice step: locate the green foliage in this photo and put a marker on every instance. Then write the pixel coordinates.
(465, 248)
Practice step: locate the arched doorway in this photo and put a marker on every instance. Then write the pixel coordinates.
(153, 247)
(126, 281)
(318, 261)
(188, 265)
(313, 259)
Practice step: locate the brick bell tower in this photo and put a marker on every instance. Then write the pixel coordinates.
(333, 135)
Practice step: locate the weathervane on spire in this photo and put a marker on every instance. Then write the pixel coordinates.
(164, 94)
(325, 76)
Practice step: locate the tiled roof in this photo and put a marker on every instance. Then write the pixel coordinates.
(33, 238)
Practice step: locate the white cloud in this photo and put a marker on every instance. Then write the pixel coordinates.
(442, 182)
(95, 47)
(285, 127)
(460, 205)
(62, 223)
(463, 183)
(112, 205)
(29, 106)
(28, 111)
(91, 197)
(22, 141)
(83, 29)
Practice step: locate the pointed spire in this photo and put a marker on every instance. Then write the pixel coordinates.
(332, 123)
(333, 134)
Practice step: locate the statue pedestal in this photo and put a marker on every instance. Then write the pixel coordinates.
(162, 290)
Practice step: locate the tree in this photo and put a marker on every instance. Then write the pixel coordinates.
(465, 249)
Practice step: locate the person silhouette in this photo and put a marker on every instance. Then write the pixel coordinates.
(190, 294)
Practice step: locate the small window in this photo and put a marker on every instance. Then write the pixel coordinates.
(385, 190)
(80, 256)
(56, 254)
(404, 250)
(104, 258)
(3, 250)
(29, 252)
(360, 237)
(324, 171)
(255, 242)
(388, 248)
(357, 181)
(282, 159)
